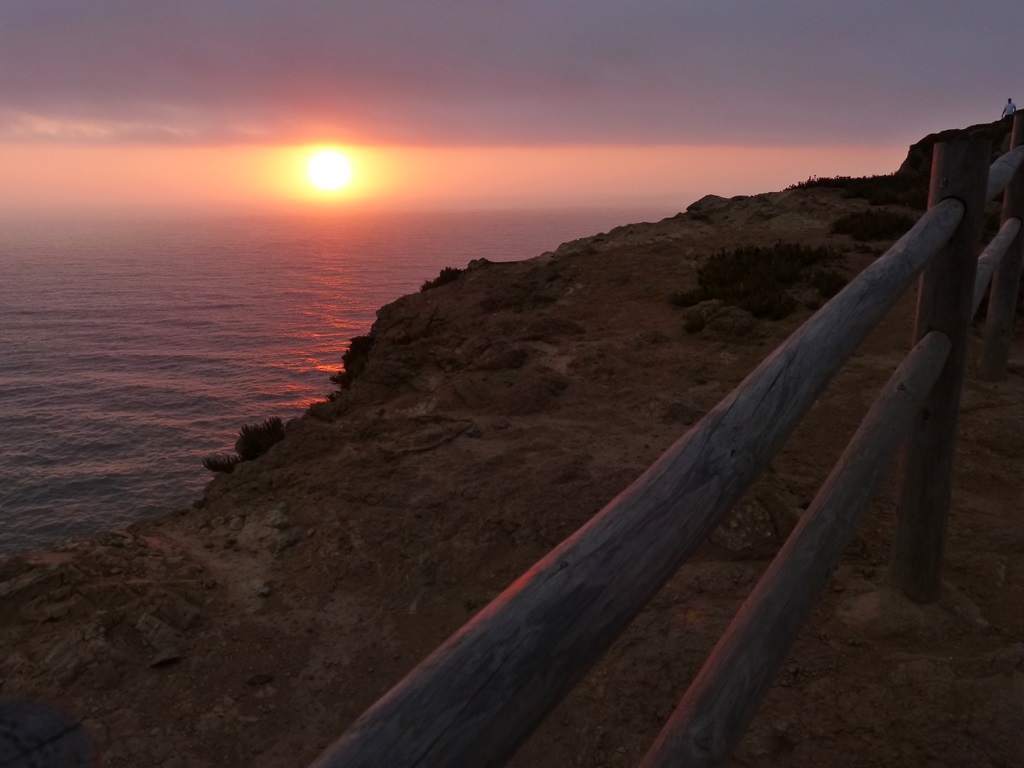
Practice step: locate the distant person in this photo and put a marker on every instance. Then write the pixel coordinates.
(1009, 109)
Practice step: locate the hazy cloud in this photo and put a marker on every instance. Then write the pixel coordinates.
(501, 72)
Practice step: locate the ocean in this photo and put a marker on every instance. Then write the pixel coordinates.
(130, 349)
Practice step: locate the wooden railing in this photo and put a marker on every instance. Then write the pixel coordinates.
(476, 698)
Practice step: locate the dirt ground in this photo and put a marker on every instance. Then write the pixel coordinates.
(496, 414)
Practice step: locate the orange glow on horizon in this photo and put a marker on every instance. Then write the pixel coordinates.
(213, 179)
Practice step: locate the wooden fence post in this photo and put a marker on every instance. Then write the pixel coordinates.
(945, 294)
(1002, 302)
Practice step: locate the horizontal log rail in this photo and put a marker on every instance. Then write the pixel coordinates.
(1002, 306)
(1002, 171)
(990, 259)
(476, 698)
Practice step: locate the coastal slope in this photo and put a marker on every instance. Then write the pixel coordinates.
(493, 415)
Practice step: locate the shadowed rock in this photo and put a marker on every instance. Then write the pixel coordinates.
(34, 736)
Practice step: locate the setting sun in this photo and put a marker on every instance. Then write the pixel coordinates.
(329, 170)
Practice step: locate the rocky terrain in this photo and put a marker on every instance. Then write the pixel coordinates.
(494, 415)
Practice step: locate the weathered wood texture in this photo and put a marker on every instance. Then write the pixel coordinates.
(945, 295)
(1004, 168)
(1002, 302)
(34, 736)
(711, 718)
(990, 259)
(479, 695)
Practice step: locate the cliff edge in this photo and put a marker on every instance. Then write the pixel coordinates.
(493, 415)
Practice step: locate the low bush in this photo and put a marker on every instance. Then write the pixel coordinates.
(448, 275)
(909, 189)
(755, 279)
(873, 225)
(828, 282)
(222, 463)
(256, 439)
(358, 352)
(253, 441)
(354, 361)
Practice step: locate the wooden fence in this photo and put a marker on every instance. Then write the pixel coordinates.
(476, 698)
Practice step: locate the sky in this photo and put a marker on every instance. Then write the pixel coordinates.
(215, 104)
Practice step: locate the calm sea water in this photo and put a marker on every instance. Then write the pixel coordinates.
(129, 350)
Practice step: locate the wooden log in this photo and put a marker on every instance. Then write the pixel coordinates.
(479, 695)
(1003, 169)
(1002, 302)
(34, 736)
(990, 258)
(944, 304)
(711, 718)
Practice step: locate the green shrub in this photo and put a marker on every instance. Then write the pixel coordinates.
(755, 279)
(254, 440)
(827, 282)
(354, 361)
(873, 225)
(448, 275)
(909, 189)
(909, 185)
(358, 352)
(222, 463)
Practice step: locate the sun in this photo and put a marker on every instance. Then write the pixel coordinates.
(329, 170)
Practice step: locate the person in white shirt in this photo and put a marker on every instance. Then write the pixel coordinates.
(1009, 109)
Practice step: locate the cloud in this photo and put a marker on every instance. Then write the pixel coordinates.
(498, 72)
